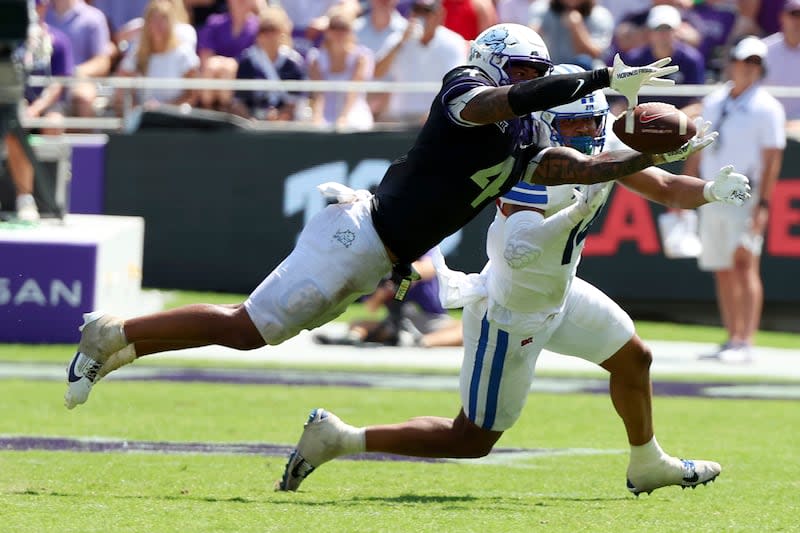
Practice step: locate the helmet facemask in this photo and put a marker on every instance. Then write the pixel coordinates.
(587, 144)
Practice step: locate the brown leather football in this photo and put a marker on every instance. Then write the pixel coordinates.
(657, 128)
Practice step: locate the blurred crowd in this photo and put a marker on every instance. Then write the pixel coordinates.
(380, 40)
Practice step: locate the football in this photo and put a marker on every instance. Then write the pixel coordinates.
(655, 128)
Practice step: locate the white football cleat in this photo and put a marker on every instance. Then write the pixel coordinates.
(322, 440)
(671, 471)
(736, 353)
(101, 336)
(739, 354)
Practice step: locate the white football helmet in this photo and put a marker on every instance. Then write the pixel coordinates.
(591, 105)
(501, 44)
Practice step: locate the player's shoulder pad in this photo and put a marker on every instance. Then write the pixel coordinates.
(467, 71)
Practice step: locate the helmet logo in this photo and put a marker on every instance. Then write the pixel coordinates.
(495, 40)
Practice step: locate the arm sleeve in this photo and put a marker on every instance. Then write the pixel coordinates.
(551, 91)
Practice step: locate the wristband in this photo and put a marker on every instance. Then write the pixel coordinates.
(763, 203)
(707, 194)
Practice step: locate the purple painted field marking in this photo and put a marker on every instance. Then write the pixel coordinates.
(399, 381)
(67, 444)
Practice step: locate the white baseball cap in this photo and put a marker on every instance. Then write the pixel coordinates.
(748, 47)
(663, 15)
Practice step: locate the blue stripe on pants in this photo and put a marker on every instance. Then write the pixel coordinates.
(494, 379)
(476, 368)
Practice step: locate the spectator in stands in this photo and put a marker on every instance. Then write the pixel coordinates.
(373, 30)
(469, 17)
(92, 49)
(310, 21)
(378, 23)
(220, 41)
(759, 17)
(160, 54)
(516, 11)
(271, 58)
(418, 320)
(119, 13)
(631, 31)
(752, 138)
(341, 58)
(662, 24)
(419, 56)
(40, 102)
(783, 59)
(576, 31)
(200, 10)
(128, 36)
(622, 9)
(714, 21)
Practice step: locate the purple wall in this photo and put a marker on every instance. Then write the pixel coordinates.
(44, 289)
(88, 177)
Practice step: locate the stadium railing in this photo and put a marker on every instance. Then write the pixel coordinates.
(115, 123)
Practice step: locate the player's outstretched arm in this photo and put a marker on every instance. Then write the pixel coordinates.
(687, 192)
(503, 103)
(559, 166)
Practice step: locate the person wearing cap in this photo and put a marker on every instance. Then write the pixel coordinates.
(662, 24)
(751, 125)
(45, 102)
(783, 48)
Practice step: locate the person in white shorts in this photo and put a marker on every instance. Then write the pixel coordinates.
(528, 298)
(752, 136)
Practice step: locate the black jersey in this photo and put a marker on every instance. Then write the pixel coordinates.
(450, 174)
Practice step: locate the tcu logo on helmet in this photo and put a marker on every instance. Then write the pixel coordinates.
(495, 40)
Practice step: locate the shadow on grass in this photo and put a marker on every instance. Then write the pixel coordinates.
(492, 500)
(166, 497)
(300, 499)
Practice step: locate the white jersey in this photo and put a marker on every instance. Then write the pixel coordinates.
(522, 298)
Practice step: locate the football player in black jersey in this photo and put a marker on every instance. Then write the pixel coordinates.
(472, 149)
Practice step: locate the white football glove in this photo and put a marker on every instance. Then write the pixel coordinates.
(701, 139)
(628, 80)
(728, 187)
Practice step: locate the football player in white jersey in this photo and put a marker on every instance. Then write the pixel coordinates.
(528, 298)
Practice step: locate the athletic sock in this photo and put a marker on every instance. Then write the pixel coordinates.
(649, 452)
(354, 440)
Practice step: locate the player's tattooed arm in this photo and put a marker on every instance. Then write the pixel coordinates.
(488, 106)
(559, 166)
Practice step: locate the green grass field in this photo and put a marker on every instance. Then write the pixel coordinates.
(66, 491)
(574, 483)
